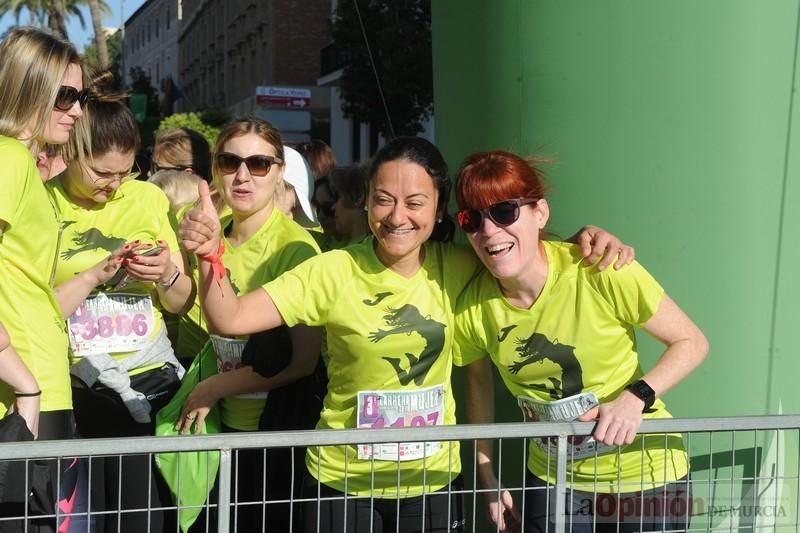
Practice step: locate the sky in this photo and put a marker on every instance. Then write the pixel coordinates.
(81, 36)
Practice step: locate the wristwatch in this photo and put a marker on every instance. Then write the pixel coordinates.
(644, 392)
(171, 280)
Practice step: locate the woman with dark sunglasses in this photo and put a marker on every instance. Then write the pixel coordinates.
(561, 330)
(42, 92)
(118, 268)
(386, 303)
(258, 243)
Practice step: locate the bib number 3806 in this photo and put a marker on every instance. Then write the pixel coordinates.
(109, 323)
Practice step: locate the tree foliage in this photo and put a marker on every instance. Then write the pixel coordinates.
(92, 60)
(399, 34)
(50, 14)
(192, 121)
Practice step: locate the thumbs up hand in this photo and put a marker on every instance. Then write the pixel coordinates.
(200, 229)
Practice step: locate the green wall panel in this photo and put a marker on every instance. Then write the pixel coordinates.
(670, 124)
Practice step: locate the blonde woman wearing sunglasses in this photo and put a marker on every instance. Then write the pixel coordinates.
(42, 94)
(122, 365)
(258, 244)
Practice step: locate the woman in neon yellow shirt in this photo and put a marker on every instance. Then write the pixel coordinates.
(122, 365)
(260, 243)
(561, 330)
(386, 303)
(41, 99)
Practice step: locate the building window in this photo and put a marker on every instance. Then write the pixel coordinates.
(156, 27)
(168, 21)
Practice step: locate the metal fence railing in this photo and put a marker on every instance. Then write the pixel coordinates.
(744, 470)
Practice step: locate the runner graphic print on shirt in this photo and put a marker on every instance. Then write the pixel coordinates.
(407, 320)
(89, 240)
(536, 349)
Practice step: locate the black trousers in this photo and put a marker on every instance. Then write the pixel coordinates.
(126, 489)
(665, 508)
(48, 481)
(438, 512)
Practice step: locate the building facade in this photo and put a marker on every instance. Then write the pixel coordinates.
(228, 48)
(151, 44)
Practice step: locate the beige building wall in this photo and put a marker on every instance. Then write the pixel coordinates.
(229, 47)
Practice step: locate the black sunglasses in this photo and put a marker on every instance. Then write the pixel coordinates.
(258, 165)
(67, 96)
(154, 167)
(502, 213)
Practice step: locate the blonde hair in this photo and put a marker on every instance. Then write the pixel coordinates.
(32, 65)
(180, 187)
(185, 148)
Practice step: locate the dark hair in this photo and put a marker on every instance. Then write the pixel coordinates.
(486, 178)
(319, 156)
(425, 154)
(113, 126)
(348, 183)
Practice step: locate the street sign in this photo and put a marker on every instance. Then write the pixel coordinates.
(283, 97)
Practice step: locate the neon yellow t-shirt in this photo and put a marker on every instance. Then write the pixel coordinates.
(28, 308)
(386, 333)
(577, 337)
(137, 211)
(278, 246)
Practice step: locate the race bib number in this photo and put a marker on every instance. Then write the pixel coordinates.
(397, 409)
(563, 410)
(111, 323)
(229, 357)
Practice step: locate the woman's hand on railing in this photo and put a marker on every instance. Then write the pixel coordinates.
(617, 420)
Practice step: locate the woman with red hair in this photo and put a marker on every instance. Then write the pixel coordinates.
(537, 301)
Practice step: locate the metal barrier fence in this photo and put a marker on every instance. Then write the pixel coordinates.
(744, 471)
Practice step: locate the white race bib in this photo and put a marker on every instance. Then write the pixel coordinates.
(414, 408)
(229, 357)
(111, 323)
(562, 410)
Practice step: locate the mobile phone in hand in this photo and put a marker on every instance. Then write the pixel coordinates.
(122, 278)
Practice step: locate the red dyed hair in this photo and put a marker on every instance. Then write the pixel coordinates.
(486, 178)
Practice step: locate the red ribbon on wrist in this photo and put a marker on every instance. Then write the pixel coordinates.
(215, 260)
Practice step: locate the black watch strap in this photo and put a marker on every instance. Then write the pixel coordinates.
(644, 392)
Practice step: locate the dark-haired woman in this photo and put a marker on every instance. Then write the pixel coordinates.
(557, 328)
(122, 365)
(339, 200)
(386, 303)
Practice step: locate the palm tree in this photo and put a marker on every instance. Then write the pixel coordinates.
(57, 17)
(98, 8)
(56, 12)
(34, 8)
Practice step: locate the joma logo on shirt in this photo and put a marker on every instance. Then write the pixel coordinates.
(407, 320)
(91, 239)
(537, 348)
